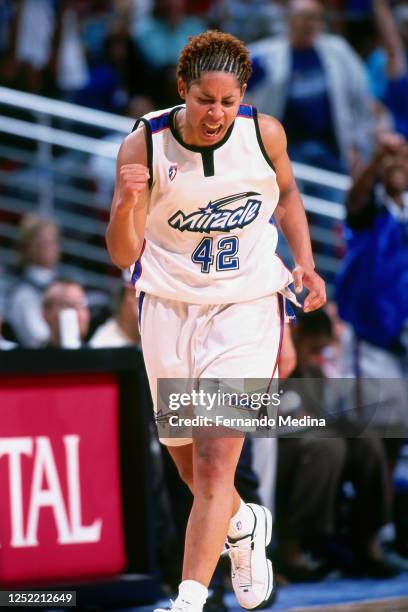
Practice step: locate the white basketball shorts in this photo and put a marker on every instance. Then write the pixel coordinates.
(193, 341)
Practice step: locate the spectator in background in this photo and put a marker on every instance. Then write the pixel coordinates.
(320, 464)
(46, 52)
(249, 20)
(395, 81)
(134, 11)
(308, 469)
(116, 75)
(97, 17)
(378, 57)
(39, 254)
(372, 288)
(123, 328)
(68, 64)
(65, 294)
(161, 38)
(316, 85)
(28, 57)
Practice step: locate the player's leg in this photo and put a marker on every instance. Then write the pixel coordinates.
(183, 458)
(252, 354)
(214, 462)
(215, 501)
(242, 519)
(208, 468)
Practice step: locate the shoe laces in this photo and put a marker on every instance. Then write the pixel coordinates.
(240, 555)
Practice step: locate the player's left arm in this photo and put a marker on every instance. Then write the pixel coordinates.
(290, 214)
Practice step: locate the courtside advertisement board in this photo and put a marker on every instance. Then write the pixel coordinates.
(60, 511)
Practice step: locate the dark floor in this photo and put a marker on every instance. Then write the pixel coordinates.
(335, 595)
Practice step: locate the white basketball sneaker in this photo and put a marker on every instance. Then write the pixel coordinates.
(251, 571)
(180, 605)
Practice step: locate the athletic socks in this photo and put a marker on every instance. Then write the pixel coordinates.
(192, 592)
(242, 523)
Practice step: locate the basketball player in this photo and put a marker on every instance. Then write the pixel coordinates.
(195, 192)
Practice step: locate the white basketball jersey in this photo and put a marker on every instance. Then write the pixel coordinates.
(209, 237)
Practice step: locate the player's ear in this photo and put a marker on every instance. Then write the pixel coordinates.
(243, 90)
(182, 88)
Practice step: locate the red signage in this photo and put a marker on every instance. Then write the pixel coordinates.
(60, 509)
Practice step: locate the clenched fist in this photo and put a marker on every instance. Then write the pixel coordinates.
(132, 181)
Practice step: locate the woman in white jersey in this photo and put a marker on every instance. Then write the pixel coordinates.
(196, 189)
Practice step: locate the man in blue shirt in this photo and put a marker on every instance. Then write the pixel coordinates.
(373, 283)
(316, 85)
(372, 291)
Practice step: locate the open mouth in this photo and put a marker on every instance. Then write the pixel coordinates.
(212, 130)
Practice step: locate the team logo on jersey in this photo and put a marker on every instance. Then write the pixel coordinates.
(214, 217)
(172, 172)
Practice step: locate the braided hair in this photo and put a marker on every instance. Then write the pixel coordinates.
(214, 51)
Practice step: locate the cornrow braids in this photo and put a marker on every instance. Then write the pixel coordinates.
(214, 51)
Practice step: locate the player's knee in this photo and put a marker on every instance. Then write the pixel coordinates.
(212, 472)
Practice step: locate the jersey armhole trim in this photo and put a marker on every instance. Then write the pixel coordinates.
(260, 141)
(149, 145)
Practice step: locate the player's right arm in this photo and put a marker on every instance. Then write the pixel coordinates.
(125, 232)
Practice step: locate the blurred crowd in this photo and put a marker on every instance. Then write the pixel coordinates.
(335, 73)
(337, 69)
(42, 302)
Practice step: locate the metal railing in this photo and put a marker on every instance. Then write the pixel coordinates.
(57, 159)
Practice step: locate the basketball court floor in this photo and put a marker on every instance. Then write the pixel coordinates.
(341, 595)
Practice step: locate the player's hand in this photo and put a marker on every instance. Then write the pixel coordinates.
(316, 297)
(132, 181)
